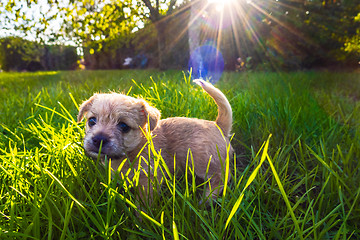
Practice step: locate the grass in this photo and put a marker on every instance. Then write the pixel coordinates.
(300, 183)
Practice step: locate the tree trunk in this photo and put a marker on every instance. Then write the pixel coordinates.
(162, 46)
(160, 23)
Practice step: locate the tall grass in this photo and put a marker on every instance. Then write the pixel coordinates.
(300, 183)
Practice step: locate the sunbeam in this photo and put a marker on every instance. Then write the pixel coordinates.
(229, 29)
(214, 18)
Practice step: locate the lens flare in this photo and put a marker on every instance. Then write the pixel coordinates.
(206, 62)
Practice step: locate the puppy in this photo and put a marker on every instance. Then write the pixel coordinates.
(117, 126)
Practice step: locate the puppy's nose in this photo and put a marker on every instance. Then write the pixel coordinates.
(98, 139)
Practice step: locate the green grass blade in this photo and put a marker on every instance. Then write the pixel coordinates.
(249, 181)
(287, 202)
(175, 231)
(66, 223)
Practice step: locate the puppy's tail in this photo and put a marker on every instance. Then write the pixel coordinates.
(224, 118)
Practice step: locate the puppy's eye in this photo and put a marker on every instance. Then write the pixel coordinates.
(124, 127)
(92, 121)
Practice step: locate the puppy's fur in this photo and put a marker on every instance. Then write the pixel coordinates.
(116, 123)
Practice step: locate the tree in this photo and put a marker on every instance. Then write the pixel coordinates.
(159, 13)
(94, 20)
(97, 23)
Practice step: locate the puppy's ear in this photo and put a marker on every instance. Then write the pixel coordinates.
(150, 113)
(84, 108)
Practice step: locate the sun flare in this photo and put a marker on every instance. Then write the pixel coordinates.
(221, 1)
(224, 5)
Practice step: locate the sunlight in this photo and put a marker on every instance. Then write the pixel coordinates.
(208, 22)
(243, 23)
(221, 1)
(220, 4)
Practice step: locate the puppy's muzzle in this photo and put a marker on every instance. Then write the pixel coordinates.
(106, 144)
(100, 140)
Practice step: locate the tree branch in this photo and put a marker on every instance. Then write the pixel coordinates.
(171, 7)
(154, 14)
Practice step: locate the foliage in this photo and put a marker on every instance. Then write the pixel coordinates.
(17, 54)
(302, 183)
(143, 42)
(352, 44)
(277, 34)
(159, 13)
(59, 57)
(96, 24)
(323, 24)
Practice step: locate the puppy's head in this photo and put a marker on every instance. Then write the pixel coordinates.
(115, 122)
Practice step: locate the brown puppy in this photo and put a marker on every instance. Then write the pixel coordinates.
(118, 124)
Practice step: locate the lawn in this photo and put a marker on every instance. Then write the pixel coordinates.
(296, 173)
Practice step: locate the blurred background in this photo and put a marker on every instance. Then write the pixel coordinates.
(206, 36)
